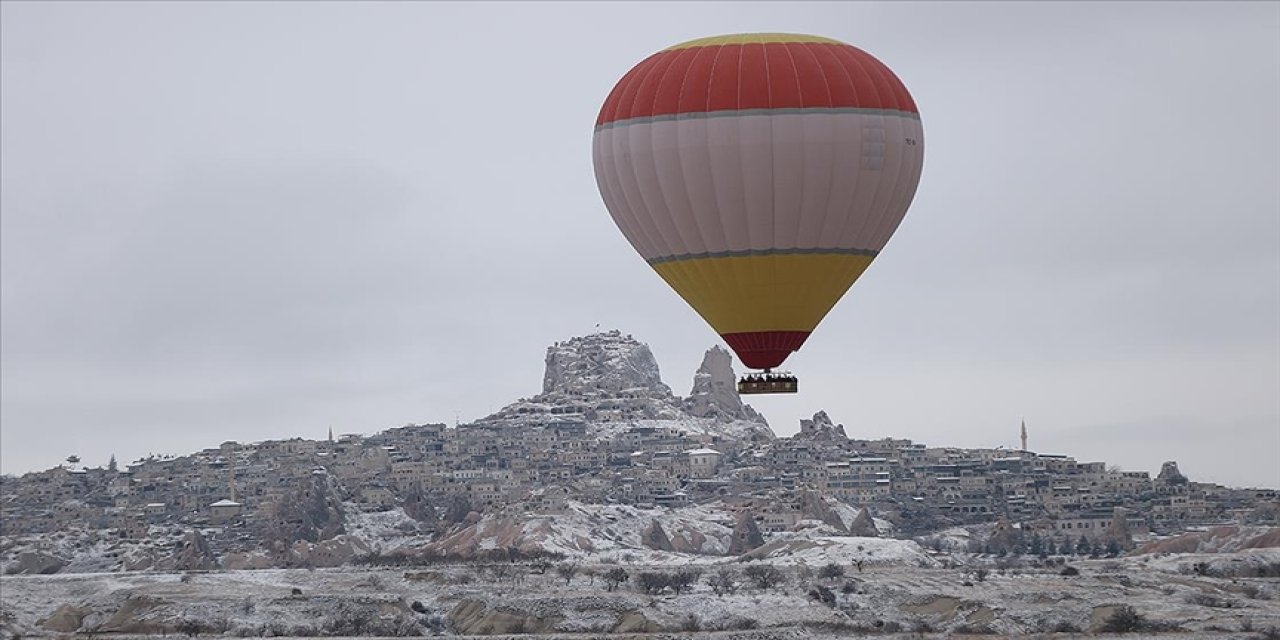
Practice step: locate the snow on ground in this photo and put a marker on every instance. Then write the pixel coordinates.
(87, 550)
(382, 530)
(602, 533)
(1014, 602)
(1241, 564)
(843, 550)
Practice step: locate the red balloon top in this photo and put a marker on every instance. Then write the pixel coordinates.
(755, 71)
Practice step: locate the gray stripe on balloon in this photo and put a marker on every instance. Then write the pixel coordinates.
(733, 113)
(764, 252)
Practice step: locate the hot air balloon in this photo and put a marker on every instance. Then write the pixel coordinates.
(759, 175)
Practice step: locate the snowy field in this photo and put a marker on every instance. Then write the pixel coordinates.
(884, 599)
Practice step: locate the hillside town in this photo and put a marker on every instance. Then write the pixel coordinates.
(607, 431)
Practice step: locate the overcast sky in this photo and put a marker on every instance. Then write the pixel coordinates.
(243, 221)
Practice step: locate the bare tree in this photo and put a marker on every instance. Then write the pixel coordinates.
(764, 576)
(567, 571)
(683, 580)
(724, 581)
(614, 577)
(831, 571)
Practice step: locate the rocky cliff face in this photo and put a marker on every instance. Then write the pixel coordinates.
(821, 428)
(601, 364)
(1169, 474)
(612, 378)
(746, 535)
(715, 390)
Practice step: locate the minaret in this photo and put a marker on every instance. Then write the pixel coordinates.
(1024, 435)
(330, 433)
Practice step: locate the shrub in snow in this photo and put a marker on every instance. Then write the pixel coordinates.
(723, 582)
(803, 573)
(824, 595)
(614, 577)
(1062, 626)
(1124, 619)
(651, 582)
(683, 580)
(567, 571)
(831, 572)
(1209, 600)
(764, 576)
(974, 629)
(691, 623)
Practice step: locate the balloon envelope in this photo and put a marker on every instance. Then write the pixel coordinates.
(759, 175)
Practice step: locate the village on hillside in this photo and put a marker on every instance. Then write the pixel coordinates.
(607, 431)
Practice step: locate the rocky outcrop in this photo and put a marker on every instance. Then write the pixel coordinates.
(602, 377)
(475, 617)
(864, 526)
(635, 622)
(65, 619)
(1118, 530)
(328, 553)
(654, 537)
(821, 429)
(1004, 537)
(1216, 540)
(136, 615)
(35, 563)
(715, 390)
(1169, 474)
(417, 506)
(193, 554)
(746, 535)
(816, 506)
(606, 362)
(688, 542)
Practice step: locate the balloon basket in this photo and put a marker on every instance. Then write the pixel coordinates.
(756, 383)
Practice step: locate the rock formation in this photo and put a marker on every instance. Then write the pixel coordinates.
(814, 505)
(654, 537)
(1004, 537)
(746, 535)
(66, 618)
(715, 390)
(864, 526)
(1118, 531)
(610, 377)
(1169, 474)
(35, 563)
(193, 554)
(605, 363)
(821, 428)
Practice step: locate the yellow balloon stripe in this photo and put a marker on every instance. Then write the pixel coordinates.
(778, 292)
(751, 38)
